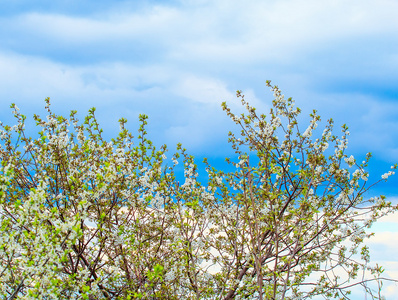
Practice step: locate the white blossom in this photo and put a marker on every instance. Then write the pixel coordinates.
(388, 174)
(350, 160)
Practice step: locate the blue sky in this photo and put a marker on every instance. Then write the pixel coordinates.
(178, 60)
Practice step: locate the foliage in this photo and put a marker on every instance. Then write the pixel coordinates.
(84, 218)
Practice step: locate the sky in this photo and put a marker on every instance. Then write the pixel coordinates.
(176, 61)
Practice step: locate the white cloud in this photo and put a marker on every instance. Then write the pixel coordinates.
(222, 30)
(383, 246)
(88, 29)
(202, 90)
(183, 107)
(282, 30)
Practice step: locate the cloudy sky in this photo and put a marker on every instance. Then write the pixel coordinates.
(178, 60)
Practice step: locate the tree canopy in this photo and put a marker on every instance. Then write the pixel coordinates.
(86, 218)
